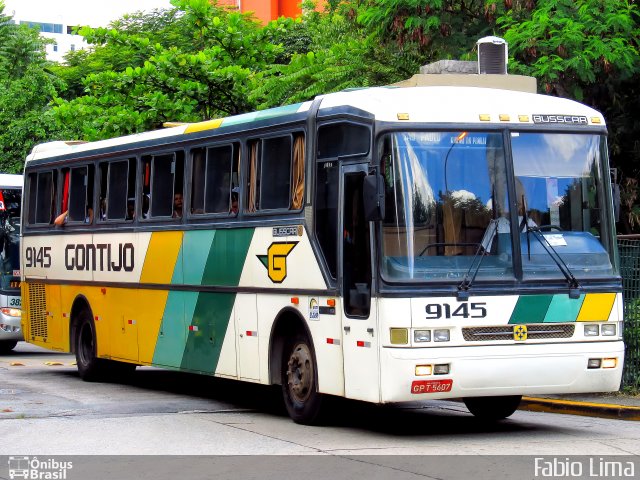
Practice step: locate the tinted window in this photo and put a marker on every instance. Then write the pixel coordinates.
(275, 173)
(343, 139)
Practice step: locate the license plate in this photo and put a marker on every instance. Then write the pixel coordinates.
(431, 386)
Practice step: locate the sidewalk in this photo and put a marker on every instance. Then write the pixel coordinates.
(604, 405)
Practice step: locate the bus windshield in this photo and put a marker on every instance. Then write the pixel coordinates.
(447, 204)
(10, 240)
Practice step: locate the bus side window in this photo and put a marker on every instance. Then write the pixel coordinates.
(41, 197)
(162, 185)
(275, 173)
(117, 186)
(80, 207)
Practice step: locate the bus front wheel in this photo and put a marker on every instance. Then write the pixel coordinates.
(299, 381)
(493, 408)
(90, 367)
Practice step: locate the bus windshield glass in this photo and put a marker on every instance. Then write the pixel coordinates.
(562, 192)
(448, 216)
(10, 240)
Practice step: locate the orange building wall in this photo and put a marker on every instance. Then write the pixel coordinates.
(267, 10)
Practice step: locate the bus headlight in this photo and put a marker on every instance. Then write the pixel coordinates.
(11, 312)
(608, 330)
(421, 336)
(591, 331)
(441, 335)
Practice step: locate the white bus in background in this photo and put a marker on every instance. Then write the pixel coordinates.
(10, 302)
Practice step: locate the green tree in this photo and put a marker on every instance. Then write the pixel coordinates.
(340, 53)
(205, 67)
(26, 89)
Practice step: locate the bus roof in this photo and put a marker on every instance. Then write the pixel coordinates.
(10, 180)
(431, 104)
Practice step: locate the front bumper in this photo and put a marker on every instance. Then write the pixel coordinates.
(10, 328)
(480, 371)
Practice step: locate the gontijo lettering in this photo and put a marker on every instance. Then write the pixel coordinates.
(101, 257)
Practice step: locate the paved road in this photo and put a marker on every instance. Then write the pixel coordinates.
(48, 410)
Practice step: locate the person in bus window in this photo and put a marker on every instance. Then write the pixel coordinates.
(177, 205)
(63, 218)
(501, 225)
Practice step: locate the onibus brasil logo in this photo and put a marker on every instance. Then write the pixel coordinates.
(36, 469)
(275, 260)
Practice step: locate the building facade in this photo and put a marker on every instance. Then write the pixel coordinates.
(267, 10)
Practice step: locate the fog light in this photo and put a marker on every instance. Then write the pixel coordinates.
(591, 331)
(593, 363)
(609, 362)
(11, 312)
(420, 336)
(442, 369)
(422, 370)
(441, 335)
(5, 328)
(608, 329)
(399, 336)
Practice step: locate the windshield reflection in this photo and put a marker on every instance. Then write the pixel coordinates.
(447, 202)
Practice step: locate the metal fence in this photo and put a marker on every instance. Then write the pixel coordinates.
(629, 249)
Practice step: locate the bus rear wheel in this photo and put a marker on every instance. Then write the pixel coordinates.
(7, 346)
(299, 381)
(90, 367)
(493, 408)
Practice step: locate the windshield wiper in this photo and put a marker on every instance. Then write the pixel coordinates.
(465, 284)
(574, 285)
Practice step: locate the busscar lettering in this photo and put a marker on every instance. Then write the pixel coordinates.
(101, 257)
(572, 119)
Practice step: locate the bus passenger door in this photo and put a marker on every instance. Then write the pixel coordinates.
(359, 315)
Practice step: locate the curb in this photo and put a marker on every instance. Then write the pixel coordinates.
(585, 409)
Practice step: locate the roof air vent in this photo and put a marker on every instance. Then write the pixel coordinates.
(492, 55)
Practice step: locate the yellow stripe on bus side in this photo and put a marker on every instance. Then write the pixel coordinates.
(160, 260)
(596, 307)
(201, 126)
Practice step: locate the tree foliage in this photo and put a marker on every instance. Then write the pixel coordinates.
(205, 67)
(26, 90)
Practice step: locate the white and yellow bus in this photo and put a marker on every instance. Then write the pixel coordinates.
(383, 244)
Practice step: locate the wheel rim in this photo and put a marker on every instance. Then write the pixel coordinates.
(85, 348)
(300, 373)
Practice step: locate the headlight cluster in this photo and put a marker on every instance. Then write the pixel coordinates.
(11, 312)
(400, 336)
(608, 329)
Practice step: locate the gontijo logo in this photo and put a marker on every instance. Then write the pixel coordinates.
(276, 260)
(35, 469)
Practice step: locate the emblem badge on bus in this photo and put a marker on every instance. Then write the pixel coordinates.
(520, 333)
(275, 261)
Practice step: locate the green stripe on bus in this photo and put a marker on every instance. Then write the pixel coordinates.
(212, 311)
(531, 309)
(209, 323)
(563, 309)
(227, 256)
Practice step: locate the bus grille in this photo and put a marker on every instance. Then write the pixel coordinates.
(37, 310)
(505, 332)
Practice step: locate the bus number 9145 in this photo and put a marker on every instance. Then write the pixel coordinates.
(38, 257)
(463, 310)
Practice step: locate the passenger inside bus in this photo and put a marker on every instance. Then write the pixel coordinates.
(177, 205)
(501, 225)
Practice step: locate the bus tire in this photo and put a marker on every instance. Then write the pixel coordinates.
(493, 408)
(7, 346)
(90, 367)
(299, 381)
